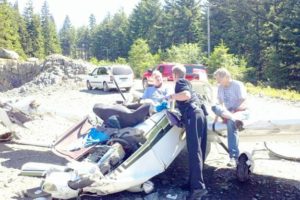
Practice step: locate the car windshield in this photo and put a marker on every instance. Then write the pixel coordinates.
(191, 69)
(121, 70)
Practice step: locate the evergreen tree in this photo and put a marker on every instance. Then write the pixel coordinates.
(110, 39)
(37, 37)
(9, 37)
(34, 41)
(119, 38)
(282, 55)
(28, 19)
(166, 25)
(188, 22)
(92, 29)
(181, 23)
(100, 42)
(143, 22)
(67, 38)
(92, 22)
(83, 42)
(49, 31)
(23, 34)
(240, 24)
(55, 44)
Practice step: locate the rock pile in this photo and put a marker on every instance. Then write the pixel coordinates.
(34, 74)
(57, 69)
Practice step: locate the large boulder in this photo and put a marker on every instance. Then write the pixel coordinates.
(8, 54)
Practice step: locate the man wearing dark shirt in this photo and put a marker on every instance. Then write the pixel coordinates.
(196, 130)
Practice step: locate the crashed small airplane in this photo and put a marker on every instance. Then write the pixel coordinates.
(127, 158)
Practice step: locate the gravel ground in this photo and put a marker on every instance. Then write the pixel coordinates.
(61, 107)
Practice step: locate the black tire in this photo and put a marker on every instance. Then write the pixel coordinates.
(105, 87)
(242, 169)
(88, 85)
(145, 83)
(128, 89)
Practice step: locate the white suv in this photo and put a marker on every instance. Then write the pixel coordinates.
(103, 77)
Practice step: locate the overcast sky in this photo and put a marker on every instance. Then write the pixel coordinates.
(80, 10)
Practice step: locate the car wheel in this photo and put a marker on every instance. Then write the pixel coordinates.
(88, 85)
(105, 87)
(145, 83)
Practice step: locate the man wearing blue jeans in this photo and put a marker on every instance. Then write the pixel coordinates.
(232, 109)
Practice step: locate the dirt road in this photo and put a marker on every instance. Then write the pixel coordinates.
(61, 107)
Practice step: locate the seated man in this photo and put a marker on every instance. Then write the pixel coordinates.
(157, 92)
(154, 94)
(232, 109)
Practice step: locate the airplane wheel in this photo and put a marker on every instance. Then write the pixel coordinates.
(242, 168)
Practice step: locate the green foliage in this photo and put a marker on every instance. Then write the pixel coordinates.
(51, 42)
(9, 27)
(94, 61)
(34, 40)
(266, 33)
(282, 56)
(92, 22)
(67, 37)
(184, 53)
(83, 42)
(240, 25)
(35, 32)
(220, 57)
(140, 57)
(143, 22)
(120, 60)
(181, 22)
(285, 94)
(109, 40)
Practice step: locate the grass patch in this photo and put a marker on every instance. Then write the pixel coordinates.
(275, 93)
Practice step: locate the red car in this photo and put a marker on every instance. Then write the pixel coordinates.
(193, 72)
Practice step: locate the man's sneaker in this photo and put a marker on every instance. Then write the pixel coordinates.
(232, 162)
(196, 194)
(239, 125)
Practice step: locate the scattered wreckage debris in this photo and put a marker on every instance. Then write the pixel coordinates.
(112, 164)
(6, 130)
(12, 115)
